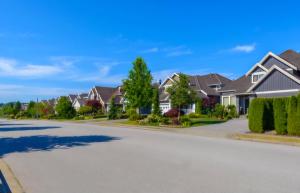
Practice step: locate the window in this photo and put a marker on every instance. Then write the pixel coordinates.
(226, 100)
(257, 76)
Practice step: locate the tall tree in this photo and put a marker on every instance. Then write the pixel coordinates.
(113, 109)
(180, 93)
(137, 87)
(17, 107)
(64, 108)
(198, 106)
(155, 103)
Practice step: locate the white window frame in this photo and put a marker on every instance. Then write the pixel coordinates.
(257, 74)
(229, 99)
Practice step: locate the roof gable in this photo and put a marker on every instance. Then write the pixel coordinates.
(277, 80)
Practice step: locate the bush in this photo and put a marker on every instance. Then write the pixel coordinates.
(194, 115)
(153, 119)
(261, 115)
(85, 110)
(80, 117)
(231, 112)
(185, 121)
(219, 111)
(133, 115)
(293, 116)
(280, 115)
(164, 120)
(172, 113)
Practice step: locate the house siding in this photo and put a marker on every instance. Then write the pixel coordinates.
(273, 61)
(276, 81)
(258, 69)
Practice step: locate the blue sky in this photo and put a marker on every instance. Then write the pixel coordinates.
(55, 47)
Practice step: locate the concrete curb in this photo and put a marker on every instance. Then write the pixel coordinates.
(10, 178)
(265, 138)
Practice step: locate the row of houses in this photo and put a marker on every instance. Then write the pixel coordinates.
(273, 76)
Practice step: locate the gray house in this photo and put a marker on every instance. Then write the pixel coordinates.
(273, 76)
(205, 86)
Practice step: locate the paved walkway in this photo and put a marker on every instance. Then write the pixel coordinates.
(50, 157)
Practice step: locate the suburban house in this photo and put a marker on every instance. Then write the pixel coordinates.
(273, 76)
(205, 86)
(72, 97)
(104, 95)
(80, 100)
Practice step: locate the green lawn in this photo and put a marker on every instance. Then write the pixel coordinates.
(195, 122)
(205, 121)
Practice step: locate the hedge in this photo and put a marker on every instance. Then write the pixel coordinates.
(294, 116)
(261, 117)
(280, 115)
(256, 116)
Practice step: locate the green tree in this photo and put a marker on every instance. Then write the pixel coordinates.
(198, 106)
(64, 108)
(17, 107)
(155, 103)
(113, 109)
(30, 109)
(137, 87)
(181, 94)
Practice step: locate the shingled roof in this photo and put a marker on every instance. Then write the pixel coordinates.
(292, 57)
(107, 92)
(204, 83)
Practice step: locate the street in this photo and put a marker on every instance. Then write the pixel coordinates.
(63, 157)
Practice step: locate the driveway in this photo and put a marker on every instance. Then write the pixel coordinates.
(50, 157)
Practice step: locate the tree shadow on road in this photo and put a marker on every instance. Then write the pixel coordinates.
(7, 129)
(47, 143)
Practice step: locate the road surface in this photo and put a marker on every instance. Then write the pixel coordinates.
(53, 157)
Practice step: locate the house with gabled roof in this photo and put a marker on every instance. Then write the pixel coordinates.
(273, 76)
(104, 95)
(72, 97)
(205, 86)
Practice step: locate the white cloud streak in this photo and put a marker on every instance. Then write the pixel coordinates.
(244, 48)
(11, 67)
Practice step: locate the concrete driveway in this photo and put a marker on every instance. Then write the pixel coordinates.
(50, 157)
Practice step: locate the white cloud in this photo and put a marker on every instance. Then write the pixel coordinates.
(177, 51)
(151, 50)
(11, 67)
(244, 48)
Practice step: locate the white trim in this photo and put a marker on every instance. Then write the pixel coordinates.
(255, 66)
(203, 92)
(256, 74)
(274, 67)
(168, 78)
(229, 99)
(278, 91)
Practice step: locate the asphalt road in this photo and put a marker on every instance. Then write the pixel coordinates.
(50, 157)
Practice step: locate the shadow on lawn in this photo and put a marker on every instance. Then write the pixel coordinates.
(48, 143)
(7, 129)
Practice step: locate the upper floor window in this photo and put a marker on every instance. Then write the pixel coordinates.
(257, 76)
